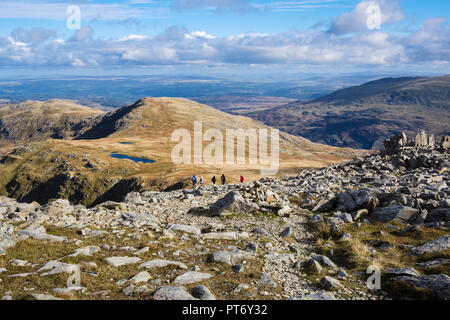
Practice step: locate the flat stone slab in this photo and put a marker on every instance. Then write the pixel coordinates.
(121, 261)
(184, 228)
(172, 293)
(191, 277)
(159, 263)
(40, 235)
(142, 276)
(230, 257)
(55, 267)
(439, 284)
(86, 251)
(433, 246)
(44, 297)
(402, 272)
(221, 235)
(7, 242)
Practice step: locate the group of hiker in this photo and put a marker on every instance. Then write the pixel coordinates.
(213, 180)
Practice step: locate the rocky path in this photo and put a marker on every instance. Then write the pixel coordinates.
(311, 236)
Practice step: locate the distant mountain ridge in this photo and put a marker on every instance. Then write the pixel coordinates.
(37, 120)
(361, 116)
(395, 91)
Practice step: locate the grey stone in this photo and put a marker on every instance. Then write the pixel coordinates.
(401, 272)
(121, 261)
(439, 284)
(231, 258)
(191, 277)
(201, 292)
(142, 276)
(232, 203)
(329, 283)
(433, 246)
(159, 263)
(40, 235)
(184, 228)
(286, 232)
(394, 213)
(172, 293)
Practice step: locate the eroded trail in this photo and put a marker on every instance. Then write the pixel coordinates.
(152, 241)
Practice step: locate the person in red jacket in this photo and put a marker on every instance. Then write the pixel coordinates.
(242, 179)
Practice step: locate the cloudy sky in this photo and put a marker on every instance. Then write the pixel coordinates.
(224, 36)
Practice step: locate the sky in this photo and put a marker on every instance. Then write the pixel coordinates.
(234, 37)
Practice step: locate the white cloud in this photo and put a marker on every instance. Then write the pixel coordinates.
(430, 43)
(356, 20)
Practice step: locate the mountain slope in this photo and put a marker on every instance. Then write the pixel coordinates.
(86, 169)
(363, 116)
(37, 120)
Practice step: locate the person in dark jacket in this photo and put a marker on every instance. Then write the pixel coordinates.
(222, 178)
(213, 180)
(194, 180)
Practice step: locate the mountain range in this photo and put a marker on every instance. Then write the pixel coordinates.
(58, 149)
(363, 116)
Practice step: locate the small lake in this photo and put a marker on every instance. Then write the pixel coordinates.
(124, 156)
(126, 142)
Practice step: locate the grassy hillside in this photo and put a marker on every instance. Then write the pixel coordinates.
(83, 170)
(37, 120)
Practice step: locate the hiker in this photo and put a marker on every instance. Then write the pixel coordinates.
(222, 178)
(194, 180)
(201, 180)
(213, 180)
(242, 179)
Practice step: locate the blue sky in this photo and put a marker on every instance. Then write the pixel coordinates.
(244, 35)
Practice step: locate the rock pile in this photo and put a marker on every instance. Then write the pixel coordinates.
(184, 233)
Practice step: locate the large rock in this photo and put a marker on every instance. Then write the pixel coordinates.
(172, 293)
(40, 235)
(434, 246)
(354, 200)
(232, 257)
(232, 203)
(159, 263)
(438, 284)
(7, 242)
(191, 277)
(121, 261)
(203, 293)
(445, 143)
(397, 213)
(438, 214)
(184, 228)
(423, 140)
(329, 283)
(395, 143)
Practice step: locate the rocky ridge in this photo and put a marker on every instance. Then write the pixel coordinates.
(255, 240)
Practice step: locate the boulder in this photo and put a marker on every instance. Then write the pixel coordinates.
(445, 142)
(395, 143)
(437, 284)
(434, 246)
(121, 261)
(232, 203)
(159, 263)
(329, 283)
(203, 293)
(423, 140)
(232, 257)
(172, 293)
(191, 277)
(397, 213)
